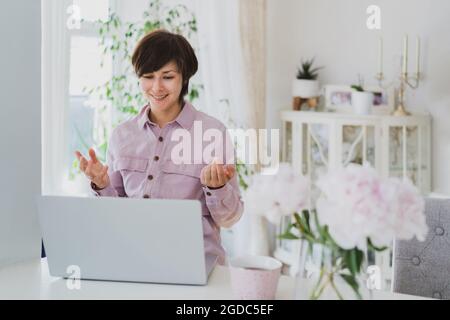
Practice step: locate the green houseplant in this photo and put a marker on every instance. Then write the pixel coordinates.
(306, 84)
(306, 71)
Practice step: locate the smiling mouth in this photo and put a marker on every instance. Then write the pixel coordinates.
(159, 98)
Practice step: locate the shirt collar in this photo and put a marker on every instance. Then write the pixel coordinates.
(185, 119)
(143, 117)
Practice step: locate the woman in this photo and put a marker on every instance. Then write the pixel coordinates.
(141, 162)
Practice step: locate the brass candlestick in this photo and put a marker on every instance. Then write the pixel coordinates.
(405, 81)
(400, 109)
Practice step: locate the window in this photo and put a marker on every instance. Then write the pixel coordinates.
(86, 73)
(93, 10)
(88, 69)
(71, 67)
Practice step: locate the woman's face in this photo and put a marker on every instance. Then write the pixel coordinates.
(162, 88)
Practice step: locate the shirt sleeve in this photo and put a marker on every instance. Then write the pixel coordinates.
(225, 204)
(115, 187)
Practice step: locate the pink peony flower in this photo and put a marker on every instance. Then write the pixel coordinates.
(277, 195)
(408, 207)
(357, 204)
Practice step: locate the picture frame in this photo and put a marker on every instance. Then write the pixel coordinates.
(338, 98)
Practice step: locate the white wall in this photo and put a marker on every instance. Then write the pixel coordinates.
(20, 129)
(336, 33)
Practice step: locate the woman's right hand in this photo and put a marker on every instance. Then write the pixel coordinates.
(94, 169)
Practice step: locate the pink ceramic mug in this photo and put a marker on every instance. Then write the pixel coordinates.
(254, 277)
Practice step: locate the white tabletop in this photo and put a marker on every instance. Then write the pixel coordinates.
(31, 280)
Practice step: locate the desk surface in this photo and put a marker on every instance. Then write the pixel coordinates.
(31, 280)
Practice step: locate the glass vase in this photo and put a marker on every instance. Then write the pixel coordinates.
(322, 275)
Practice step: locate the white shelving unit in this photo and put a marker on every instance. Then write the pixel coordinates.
(314, 142)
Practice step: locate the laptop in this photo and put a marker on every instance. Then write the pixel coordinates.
(123, 239)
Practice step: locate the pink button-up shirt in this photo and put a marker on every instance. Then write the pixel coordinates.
(141, 166)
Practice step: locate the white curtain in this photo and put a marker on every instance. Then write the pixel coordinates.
(232, 59)
(221, 61)
(55, 88)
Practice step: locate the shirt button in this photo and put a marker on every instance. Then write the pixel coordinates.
(416, 260)
(208, 194)
(146, 196)
(150, 177)
(439, 231)
(160, 139)
(156, 158)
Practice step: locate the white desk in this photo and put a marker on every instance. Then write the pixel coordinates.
(31, 280)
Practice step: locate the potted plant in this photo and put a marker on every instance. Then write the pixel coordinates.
(306, 84)
(362, 101)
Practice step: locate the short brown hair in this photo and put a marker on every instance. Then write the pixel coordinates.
(160, 47)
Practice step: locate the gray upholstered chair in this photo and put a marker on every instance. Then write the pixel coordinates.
(423, 268)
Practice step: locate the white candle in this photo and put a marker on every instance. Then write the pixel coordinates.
(405, 54)
(418, 55)
(380, 56)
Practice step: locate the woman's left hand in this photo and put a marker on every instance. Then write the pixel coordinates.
(217, 175)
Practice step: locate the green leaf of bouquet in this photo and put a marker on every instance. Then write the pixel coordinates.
(371, 246)
(324, 235)
(350, 261)
(288, 236)
(359, 259)
(307, 220)
(300, 224)
(309, 238)
(320, 229)
(354, 261)
(350, 279)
